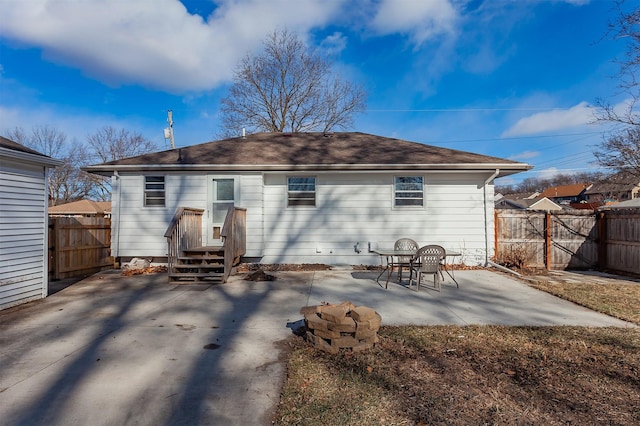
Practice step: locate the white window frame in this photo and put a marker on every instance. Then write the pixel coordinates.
(146, 190)
(302, 205)
(421, 191)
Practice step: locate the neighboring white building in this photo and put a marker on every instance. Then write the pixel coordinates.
(536, 203)
(310, 197)
(23, 223)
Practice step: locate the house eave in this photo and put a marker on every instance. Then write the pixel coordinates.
(505, 169)
(30, 158)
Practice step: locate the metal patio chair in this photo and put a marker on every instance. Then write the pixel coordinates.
(428, 260)
(404, 244)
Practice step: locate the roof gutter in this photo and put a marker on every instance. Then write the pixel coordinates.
(507, 168)
(495, 174)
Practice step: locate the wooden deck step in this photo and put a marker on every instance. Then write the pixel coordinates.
(205, 249)
(199, 264)
(198, 268)
(195, 277)
(190, 260)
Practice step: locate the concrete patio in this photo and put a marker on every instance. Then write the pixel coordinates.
(136, 350)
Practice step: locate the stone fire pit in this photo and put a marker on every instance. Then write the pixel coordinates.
(344, 326)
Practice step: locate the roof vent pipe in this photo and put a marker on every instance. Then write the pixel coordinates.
(244, 133)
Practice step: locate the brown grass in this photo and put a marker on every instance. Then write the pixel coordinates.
(469, 375)
(478, 374)
(618, 300)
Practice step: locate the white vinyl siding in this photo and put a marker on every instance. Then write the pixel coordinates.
(139, 231)
(358, 208)
(350, 208)
(23, 239)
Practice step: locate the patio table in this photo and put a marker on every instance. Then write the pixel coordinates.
(391, 255)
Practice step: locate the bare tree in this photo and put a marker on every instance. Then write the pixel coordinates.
(66, 183)
(110, 144)
(533, 184)
(288, 87)
(626, 27)
(621, 151)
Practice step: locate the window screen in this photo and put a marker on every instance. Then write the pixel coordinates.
(301, 191)
(154, 191)
(409, 191)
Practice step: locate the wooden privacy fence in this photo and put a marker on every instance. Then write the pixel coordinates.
(619, 232)
(78, 246)
(608, 240)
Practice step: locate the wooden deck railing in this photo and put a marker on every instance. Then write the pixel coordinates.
(184, 232)
(234, 235)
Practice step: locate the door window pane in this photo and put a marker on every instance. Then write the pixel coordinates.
(224, 189)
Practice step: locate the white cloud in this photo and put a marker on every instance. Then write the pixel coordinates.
(334, 43)
(526, 155)
(548, 121)
(421, 20)
(575, 2)
(550, 173)
(155, 43)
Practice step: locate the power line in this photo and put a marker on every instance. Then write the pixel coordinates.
(464, 109)
(514, 138)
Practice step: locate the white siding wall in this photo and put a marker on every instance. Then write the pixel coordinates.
(351, 208)
(251, 197)
(23, 227)
(358, 208)
(138, 231)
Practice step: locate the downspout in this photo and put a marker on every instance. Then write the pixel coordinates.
(45, 257)
(486, 216)
(115, 237)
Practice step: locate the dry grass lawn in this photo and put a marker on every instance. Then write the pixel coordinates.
(618, 300)
(477, 374)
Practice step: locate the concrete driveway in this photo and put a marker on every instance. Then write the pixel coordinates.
(135, 350)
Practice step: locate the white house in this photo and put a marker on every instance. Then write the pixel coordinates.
(23, 223)
(310, 197)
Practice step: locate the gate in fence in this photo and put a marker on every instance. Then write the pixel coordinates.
(554, 240)
(78, 246)
(608, 240)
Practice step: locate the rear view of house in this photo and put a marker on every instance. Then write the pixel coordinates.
(23, 223)
(309, 197)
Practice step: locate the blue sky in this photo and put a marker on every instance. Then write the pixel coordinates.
(513, 79)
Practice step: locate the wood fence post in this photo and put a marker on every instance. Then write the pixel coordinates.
(548, 224)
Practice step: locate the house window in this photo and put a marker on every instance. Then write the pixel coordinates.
(154, 191)
(409, 191)
(301, 191)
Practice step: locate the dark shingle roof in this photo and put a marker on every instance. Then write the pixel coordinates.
(295, 151)
(9, 144)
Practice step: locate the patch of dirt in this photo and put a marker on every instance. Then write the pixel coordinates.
(249, 267)
(144, 271)
(259, 275)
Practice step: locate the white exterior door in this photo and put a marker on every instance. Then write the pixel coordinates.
(222, 195)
